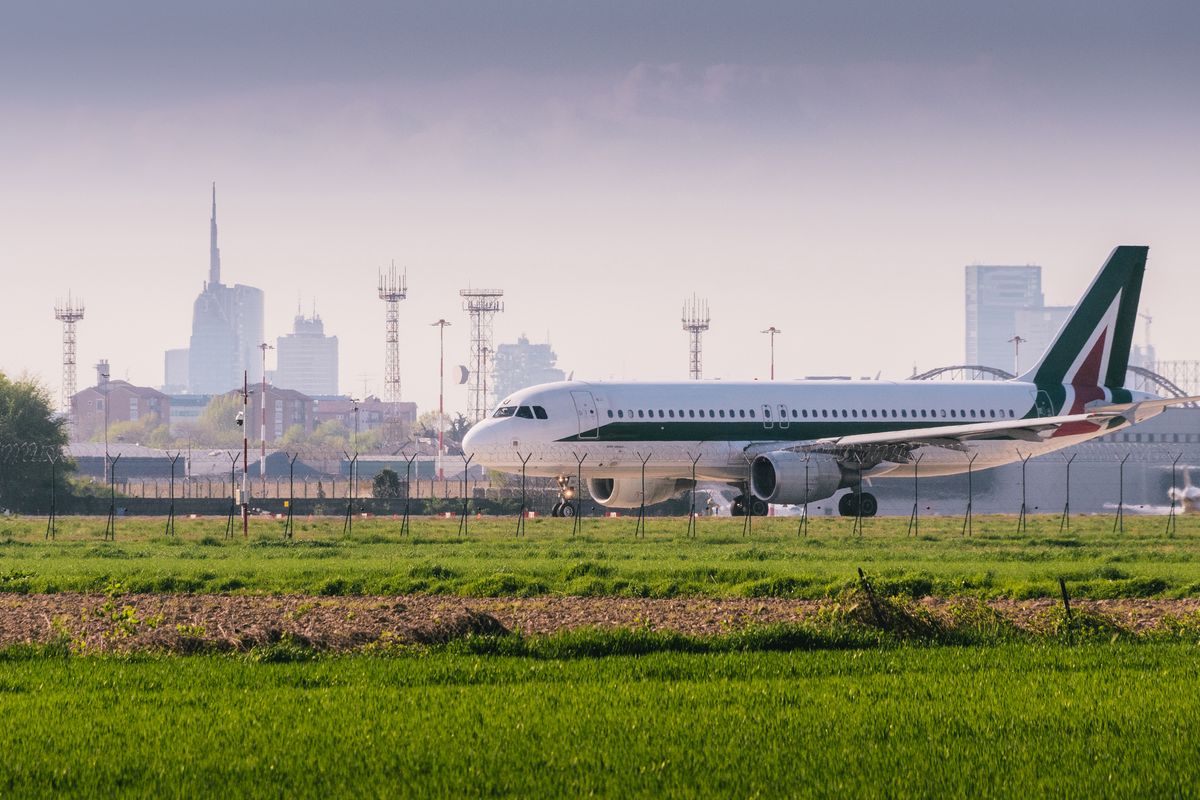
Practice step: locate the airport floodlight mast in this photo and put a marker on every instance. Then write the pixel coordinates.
(441, 325)
(773, 332)
(695, 322)
(482, 305)
(68, 313)
(262, 460)
(1016, 341)
(393, 287)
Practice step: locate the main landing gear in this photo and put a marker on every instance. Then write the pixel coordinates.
(853, 504)
(758, 508)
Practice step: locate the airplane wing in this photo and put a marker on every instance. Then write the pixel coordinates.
(1137, 412)
(897, 446)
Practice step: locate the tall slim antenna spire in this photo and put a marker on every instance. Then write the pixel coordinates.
(695, 322)
(68, 313)
(214, 252)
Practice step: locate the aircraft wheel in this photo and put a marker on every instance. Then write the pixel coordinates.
(758, 508)
(557, 510)
(738, 507)
(848, 505)
(567, 510)
(868, 504)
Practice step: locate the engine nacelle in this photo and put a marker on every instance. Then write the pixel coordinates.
(627, 492)
(779, 477)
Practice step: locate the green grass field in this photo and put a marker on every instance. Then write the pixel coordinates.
(831, 709)
(606, 559)
(1049, 720)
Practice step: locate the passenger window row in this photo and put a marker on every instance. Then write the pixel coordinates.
(804, 413)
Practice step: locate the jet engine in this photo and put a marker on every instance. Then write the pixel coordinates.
(782, 476)
(627, 492)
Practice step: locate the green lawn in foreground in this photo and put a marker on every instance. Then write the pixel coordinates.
(606, 559)
(1030, 720)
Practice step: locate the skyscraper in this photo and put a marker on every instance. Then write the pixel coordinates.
(307, 358)
(227, 328)
(1003, 303)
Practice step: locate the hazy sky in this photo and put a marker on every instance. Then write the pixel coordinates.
(827, 168)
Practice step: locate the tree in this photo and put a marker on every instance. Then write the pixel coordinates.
(453, 428)
(148, 430)
(215, 427)
(386, 484)
(30, 434)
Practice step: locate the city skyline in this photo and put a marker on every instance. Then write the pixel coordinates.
(599, 165)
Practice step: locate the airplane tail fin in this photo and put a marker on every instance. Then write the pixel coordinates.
(1092, 348)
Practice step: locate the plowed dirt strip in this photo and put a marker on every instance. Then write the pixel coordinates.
(183, 622)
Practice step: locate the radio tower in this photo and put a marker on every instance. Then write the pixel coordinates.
(695, 322)
(69, 313)
(393, 287)
(482, 305)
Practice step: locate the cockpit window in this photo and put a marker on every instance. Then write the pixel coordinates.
(525, 412)
(539, 412)
(505, 411)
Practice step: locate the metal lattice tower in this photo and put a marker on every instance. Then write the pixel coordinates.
(695, 322)
(482, 305)
(68, 313)
(393, 287)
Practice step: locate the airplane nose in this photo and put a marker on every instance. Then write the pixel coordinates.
(471, 440)
(480, 437)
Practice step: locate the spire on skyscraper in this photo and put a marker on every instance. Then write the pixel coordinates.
(214, 252)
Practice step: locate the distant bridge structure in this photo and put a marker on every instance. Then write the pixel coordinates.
(978, 372)
(965, 372)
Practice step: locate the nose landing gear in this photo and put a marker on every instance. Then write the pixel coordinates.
(566, 493)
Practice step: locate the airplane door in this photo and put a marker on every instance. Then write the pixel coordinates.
(767, 421)
(783, 417)
(585, 409)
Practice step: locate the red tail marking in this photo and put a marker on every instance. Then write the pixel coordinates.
(1086, 383)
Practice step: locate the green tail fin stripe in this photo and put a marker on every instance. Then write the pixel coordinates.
(1108, 309)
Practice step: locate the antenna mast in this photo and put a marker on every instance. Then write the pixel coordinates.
(68, 313)
(695, 322)
(482, 305)
(393, 287)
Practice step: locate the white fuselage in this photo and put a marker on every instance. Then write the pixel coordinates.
(610, 429)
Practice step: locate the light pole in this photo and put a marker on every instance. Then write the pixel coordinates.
(245, 454)
(103, 373)
(1016, 341)
(441, 324)
(262, 461)
(773, 332)
(354, 447)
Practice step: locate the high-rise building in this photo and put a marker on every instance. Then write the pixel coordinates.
(307, 358)
(524, 364)
(995, 296)
(227, 328)
(175, 371)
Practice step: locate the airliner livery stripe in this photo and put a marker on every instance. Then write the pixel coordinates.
(740, 432)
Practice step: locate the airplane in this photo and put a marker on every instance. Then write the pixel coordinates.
(797, 442)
